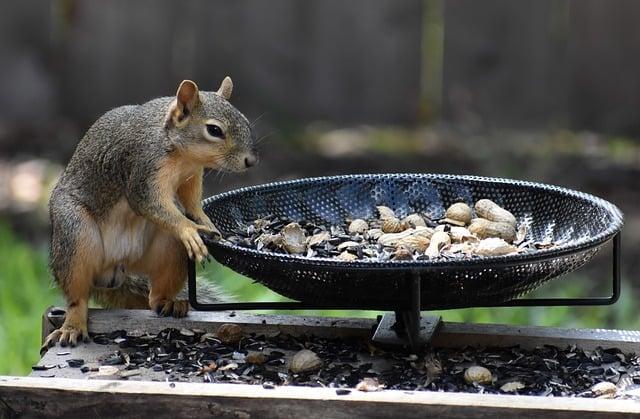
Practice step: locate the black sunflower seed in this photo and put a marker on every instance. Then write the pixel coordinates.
(75, 363)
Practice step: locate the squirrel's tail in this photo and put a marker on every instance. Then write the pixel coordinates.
(134, 293)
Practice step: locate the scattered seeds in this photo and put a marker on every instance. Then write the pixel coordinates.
(358, 226)
(229, 366)
(106, 371)
(75, 363)
(385, 212)
(344, 363)
(129, 373)
(316, 239)
(43, 367)
(211, 367)
(187, 333)
(403, 253)
(294, 240)
(346, 256)
(414, 220)
(512, 386)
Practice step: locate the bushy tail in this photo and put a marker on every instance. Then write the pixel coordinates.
(134, 293)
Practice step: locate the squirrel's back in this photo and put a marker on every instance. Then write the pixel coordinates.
(125, 139)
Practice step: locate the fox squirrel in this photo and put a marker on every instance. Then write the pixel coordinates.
(120, 231)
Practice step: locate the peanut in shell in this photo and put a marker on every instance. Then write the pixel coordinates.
(485, 208)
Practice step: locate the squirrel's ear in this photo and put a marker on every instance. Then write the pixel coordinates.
(225, 89)
(187, 98)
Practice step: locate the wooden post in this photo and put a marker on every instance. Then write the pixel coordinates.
(52, 319)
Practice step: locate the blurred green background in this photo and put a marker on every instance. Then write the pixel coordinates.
(544, 90)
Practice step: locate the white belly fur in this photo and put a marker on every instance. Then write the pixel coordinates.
(125, 235)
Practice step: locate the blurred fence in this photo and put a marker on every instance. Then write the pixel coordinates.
(535, 63)
(482, 64)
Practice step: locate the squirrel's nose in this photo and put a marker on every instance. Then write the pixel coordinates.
(250, 160)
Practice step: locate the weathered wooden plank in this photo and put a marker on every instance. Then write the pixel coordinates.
(449, 334)
(79, 398)
(102, 321)
(74, 398)
(463, 334)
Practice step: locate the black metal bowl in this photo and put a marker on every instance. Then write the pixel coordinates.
(582, 224)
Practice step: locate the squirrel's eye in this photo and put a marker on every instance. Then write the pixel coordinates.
(215, 131)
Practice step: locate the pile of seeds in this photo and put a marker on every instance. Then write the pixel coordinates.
(485, 230)
(233, 356)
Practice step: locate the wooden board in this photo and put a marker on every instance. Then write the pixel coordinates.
(137, 396)
(456, 335)
(449, 334)
(82, 398)
(102, 321)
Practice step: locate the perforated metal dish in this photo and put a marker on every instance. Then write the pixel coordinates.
(582, 224)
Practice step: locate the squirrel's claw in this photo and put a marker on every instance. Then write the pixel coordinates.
(65, 335)
(50, 341)
(210, 229)
(175, 308)
(192, 241)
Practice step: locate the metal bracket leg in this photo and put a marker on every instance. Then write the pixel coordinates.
(408, 326)
(410, 319)
(593, 301)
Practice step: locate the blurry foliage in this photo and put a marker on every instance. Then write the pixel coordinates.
(441, 141)
(26, 292)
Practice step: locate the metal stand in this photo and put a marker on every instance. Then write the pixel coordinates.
(407, 324)
(595, 301)
(390, 331)
(408, 321)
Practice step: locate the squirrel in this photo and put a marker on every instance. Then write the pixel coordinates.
(121, 212)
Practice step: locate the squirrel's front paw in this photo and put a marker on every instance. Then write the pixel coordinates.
(193, 243)
(210, 227)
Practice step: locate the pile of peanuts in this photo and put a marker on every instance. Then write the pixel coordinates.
(492, 232)
(464, 232)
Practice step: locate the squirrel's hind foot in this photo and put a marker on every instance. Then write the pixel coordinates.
(65, 335)
(175, 308)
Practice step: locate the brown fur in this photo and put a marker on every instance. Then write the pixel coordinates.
(120, 230)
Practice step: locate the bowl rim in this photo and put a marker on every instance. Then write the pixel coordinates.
(562, 250)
